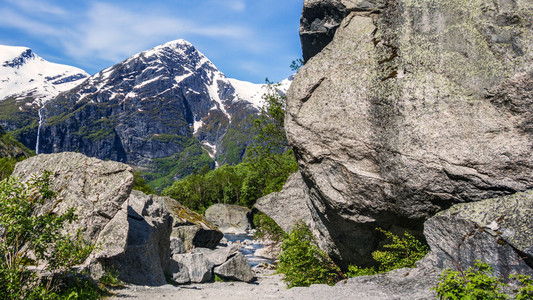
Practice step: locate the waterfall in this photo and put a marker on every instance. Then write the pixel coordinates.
(39, 130)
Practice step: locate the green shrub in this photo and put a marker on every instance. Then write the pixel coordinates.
(354, 271)
(140, 184)
(267, 228)
(303, 263)
(401, 252)
(29, 239)
(7, 165)
(479, 283)
(525, 290)
(474, 283)
(110, 278)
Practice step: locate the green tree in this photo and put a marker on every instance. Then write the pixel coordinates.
(270, 154)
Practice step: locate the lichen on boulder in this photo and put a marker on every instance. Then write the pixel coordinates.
(496, 231)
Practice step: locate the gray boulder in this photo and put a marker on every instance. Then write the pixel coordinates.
(192, 228)
(131, 230)
(496, 231)
(98, 190)
(229, 218)
(288, 206)
(412, 284)
(236, 268)
(199, 268)
(411, 108)
(219, 255)
(179, 272)
(147, 255)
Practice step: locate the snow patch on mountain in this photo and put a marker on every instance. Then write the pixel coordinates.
(254, 93)
(23, 73)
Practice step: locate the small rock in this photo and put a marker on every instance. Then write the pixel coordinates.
(236, 268)
(199, 267)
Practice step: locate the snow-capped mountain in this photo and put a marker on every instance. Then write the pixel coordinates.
(27, 81)
(158, 109)
(23, 74)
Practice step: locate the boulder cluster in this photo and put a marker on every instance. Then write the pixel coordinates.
(147, 239)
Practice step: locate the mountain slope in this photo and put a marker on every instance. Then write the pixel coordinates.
(27, 81)
(167, 110)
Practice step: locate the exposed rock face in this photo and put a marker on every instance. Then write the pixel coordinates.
(190, 227)
(496, 231)
(412, 107)
(229, 218)
(236, 268)
(131, 230)
(289, 205)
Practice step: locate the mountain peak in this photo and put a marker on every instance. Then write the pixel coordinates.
(13, 56)
(22, 72)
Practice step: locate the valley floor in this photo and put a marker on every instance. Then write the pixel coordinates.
(399, 284)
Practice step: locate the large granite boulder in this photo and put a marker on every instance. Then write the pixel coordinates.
(193, 229)
(98, 190)
(230, 218)
(496, 231)
(131, 230)
(289, 205)
(412, 107)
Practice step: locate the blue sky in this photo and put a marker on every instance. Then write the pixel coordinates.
(246, 39)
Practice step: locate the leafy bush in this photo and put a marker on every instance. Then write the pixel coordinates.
(474, 283)
(354, 271)
(140, 184)
(30, 237)
(303, 263)
(401, 252)
(478, 283)
(267, 228)
(525, 290)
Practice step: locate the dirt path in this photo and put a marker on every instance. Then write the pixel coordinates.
(266, 287)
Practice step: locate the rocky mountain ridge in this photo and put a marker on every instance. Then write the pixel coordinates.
(167, 110)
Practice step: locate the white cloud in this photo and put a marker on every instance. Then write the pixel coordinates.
(13, 19)
(111, 32)
(41, 6)
(236, 5)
